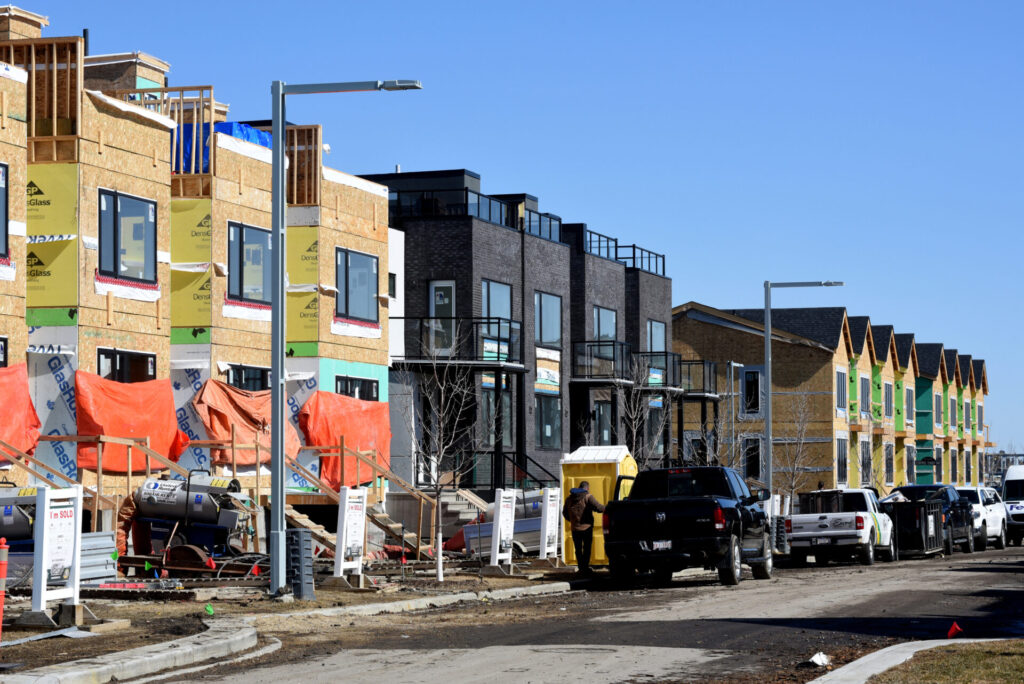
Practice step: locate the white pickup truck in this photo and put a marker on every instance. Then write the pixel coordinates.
(835, 523)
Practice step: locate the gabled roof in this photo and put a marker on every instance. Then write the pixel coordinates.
(824, 324)
(966, 370)
(861, 337)
(952, 366)
(753, 322)
(883, 339)
(906, 352)
(980, 375)
(930, 359)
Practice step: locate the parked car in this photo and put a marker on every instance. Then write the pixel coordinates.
(676, 518)
(1013, 499)
(835, 523)
(956, 513)
(988, 516)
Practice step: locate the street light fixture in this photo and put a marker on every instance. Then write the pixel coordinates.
(278, 91)
(768, 285)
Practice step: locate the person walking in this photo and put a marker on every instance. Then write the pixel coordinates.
(579, 511)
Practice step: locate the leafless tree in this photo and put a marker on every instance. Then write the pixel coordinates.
(644, 427)
(793, 455)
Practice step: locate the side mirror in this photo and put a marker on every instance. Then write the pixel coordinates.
(763, 495)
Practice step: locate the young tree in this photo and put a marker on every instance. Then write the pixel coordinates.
(793, 454)
(644, 425)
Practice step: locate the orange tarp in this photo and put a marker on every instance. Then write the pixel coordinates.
(19, 425)
(220, 406)
(127, 410)
(365, 425)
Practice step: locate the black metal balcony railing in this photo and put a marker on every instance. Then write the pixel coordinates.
(644, 259)
(461, 202)
(600, 245)
(543, 225)
(601, 359)
(661, 368)
(699, 376)
(462, 339)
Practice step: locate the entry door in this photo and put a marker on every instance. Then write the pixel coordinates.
(441, 337)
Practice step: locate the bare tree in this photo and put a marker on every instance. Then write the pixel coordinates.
(645, 425)
(793, 454)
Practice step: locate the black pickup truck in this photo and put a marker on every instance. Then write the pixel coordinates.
(675, 518)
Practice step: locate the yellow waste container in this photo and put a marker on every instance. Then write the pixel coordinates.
(601, 466)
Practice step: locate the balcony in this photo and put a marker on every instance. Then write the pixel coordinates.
(644, 259)
(601, 360)
(698, 377)
(477, 341)
(600, 245)
(543, 225)
(444, 203)
(660, 368)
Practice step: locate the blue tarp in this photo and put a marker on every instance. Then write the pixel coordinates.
(233, 128)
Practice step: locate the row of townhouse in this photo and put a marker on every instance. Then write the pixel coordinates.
(854, 404)
(135, 240)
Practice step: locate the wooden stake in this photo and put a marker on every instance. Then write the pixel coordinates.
(128, 474)
(110, 308)
(257, 477)
(158, 313)
(341, 452)
(419, 530)
(100, 150)
(99, 485)
(234, 461)
(147, 460)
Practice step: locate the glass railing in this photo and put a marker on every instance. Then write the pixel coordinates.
(601, 359)
(462, 339)
(661, 369)
(600, 245)
(699, 376)
(439, 203)
(644, 259)
(543, 225)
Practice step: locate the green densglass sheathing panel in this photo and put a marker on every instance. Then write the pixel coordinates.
(974, 418)
(38, 318)
(190, 336)
(852, 375)
(925, 406)
(876, 392)
(898, 405)
(960, 411)
(945, 405)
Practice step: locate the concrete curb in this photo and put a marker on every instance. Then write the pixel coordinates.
(864, 668)
(224, 637)
(227, 636)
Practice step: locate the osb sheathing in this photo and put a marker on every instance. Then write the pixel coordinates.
(225, 348)
(134, 160)
(13, 154)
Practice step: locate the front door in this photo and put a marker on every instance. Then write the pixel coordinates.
(441, 328)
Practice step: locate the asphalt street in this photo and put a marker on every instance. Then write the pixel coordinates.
(694, 630)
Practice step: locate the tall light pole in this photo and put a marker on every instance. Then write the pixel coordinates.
(768, 285)
(278, 91)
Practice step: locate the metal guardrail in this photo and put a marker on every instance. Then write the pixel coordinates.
(699, 376)
(601, 359)
(490, 339)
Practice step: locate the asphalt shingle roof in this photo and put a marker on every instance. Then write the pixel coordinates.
(904, 345)
(859, 332)
(950, 355)
(881, 335)
(929, 358)
(823, 325)
(965, 367)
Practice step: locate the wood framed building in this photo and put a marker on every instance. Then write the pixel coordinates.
(13, 178)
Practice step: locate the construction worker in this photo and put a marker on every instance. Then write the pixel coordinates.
(579, 511)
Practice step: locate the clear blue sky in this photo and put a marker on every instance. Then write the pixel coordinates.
(878, 143)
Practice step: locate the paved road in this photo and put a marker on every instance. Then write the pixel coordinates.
(693, 630)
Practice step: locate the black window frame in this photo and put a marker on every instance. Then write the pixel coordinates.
(115, 204)
(120, 370)
(239, 382)
(3, 352)
(749, 457)
(5, 206)
(968, 471)
(841, 389)
(954, 465)
(538, 320)
(937, 421)
(393, 285)
(911, 463)
(350, 386)
(597, 328)
(888, 400)
(889, 462)
(866, 474)
(909, 405)
(338, 280)
(842, 460)
(864, 400)
(240, 255)
(750, 408)
(554, 442)
(488, 406)
(664, 336)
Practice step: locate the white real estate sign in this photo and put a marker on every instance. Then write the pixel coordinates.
(503, 527)
(57, 534)
(348, 554)
(550, 522)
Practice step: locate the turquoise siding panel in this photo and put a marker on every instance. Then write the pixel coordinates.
(331, 368)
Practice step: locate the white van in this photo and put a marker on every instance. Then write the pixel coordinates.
(1013, 498)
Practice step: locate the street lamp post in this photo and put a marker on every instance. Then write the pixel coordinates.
(768, 285)
(278, 91)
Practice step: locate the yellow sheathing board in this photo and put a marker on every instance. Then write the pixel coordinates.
(302, 317)
(302, 254)
(191, 230)
(190, 298)
(52, 266)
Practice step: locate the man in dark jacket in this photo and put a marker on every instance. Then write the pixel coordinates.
(579, 511)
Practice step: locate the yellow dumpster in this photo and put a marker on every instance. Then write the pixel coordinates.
(601, 466)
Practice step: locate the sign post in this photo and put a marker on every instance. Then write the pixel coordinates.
(550, 523)
(348, 550)
(503, 527)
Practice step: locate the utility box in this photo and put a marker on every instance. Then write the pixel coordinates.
(601, 466)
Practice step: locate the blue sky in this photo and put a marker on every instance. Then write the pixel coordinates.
(879, 143)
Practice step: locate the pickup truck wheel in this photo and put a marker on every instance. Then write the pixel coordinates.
(981, 543)
(968, 545)
(763, 571)
(1000, 542)
(867, 552)
(889, 554)
(730, 569)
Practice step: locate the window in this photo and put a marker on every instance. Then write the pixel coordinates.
(841, 390)
(911, 464)
(392, 285)
(549, 421)
(981, 417)
(865, 396)
(491, 418)
(842, 454)
(3, 352)
(967, 466)
(4, 246)
(890, 463)
(953, 466)
(496, 302)
(656, 426)
(937, 419)
(752, 457)
(910, 410)
(967, 414)
(751, 391)
(888, 400)
(356, 280)
(249, 266)
(357, 388)
(603, 422)
(127, 237)
(604, 324)
(952, 412)
(865, 463)
(251, 378)
(655, 336)
(547, 319)
(125, 366)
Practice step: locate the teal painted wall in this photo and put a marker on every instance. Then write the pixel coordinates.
(141, 82)
(330, 368)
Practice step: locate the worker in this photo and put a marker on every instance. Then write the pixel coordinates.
(579, 511)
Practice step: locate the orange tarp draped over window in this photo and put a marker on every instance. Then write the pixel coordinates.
(19, 424)
(126, 410)
(365, 425)
(220, 406)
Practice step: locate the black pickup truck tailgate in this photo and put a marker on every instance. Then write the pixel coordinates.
(662, 524)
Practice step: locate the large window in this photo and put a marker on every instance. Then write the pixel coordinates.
(842, 457)
(841, 389)
(496, 302)
(125, 366)
(952, 412)
(954, 467)
(249, 265)
(967, 414)
(967, 466)
(909, 409)
(937, 419)
(865, 463)
(250, 378)
(603, 422)
(888, 400)
(4, 246)
(548, 417)
(547, 319)
(911, 464)
(865, 396)
(751, 391)
(604, 324)
(491, 418)
(752, 457)
(938, 462)
(655, 336)
(127, 237)
(890, 463)
(981, 418)
(358, 388)
(356, 276)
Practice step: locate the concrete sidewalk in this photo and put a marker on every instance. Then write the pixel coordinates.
(868, 666)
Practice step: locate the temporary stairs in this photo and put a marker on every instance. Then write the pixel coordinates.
(396, 531)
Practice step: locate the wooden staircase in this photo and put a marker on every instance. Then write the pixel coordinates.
(408, 540)
(295, 519)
